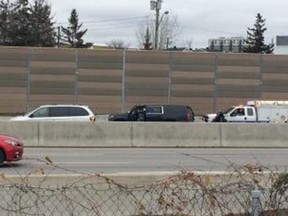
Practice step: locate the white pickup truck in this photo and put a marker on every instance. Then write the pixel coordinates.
(253, 111)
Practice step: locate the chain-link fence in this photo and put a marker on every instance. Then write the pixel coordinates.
(245, 190)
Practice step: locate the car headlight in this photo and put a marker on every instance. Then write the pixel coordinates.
(12, 142)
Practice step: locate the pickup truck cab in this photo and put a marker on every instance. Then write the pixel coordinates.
(233, 114)
(241, 114)
(155, 113)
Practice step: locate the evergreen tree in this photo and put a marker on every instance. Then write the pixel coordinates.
(72, 34)
(221, 46)
(147, 44)
(255, 38)
(8, 20)
(42, 31)
(230, 46)
(17, 25)
(23, 24)
(4, 22)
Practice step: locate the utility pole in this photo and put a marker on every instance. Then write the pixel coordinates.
(156, 5)
(157, 22)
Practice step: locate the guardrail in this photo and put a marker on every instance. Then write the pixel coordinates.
(147, 134)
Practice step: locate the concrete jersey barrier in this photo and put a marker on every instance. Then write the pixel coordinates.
(146, 134)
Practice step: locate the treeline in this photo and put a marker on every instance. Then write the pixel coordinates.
(24, 23)
(31, 24)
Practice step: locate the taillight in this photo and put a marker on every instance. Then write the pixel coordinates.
(188, 116)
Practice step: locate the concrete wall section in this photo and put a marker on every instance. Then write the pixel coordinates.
(27, 131)
(145, 134)
(254, 135)
(82, 134)
(171, 134)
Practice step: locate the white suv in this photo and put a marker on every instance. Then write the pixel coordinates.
(58, 113)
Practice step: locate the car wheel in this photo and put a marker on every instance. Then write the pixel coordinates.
(2, 156)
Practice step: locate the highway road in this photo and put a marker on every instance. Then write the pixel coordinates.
(115, 160)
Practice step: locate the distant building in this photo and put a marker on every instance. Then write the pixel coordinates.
(222, 44)
(281, 47)
(99, 46)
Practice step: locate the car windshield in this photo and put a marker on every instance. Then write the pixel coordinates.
(228, 110)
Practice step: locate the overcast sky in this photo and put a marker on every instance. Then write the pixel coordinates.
(199, 20)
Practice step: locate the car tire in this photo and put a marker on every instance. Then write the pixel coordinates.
(2, 156)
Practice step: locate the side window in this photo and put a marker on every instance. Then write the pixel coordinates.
(78, 111)
(149, 110)
(42, 112)
(140, 109)
(58, 111)
(241, 111)
(154, 110)
(238, 112)
(250, 112)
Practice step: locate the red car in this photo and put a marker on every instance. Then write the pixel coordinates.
(11, 148)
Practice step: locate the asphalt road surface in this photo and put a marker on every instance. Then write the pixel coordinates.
(111, 160)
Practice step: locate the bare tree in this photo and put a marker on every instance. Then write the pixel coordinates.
(168, 31)
(117, 44)
(141, 33)
(168, 28)
(189, 43)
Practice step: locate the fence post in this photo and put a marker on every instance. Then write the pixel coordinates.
(215, 93)
(123, 81)
(169, 77)
(28, 78)
(255, 202)
(76, 76)
(260, 79)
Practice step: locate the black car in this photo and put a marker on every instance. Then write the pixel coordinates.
(156, 113)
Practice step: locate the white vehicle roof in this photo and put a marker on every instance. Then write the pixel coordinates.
(61, 105)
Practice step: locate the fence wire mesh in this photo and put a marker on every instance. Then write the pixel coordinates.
(186, 193)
